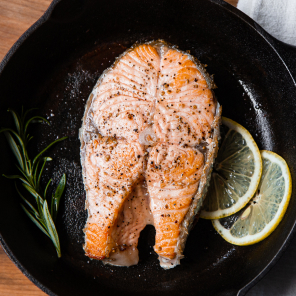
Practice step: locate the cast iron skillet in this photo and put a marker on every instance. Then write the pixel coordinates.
(54, 66)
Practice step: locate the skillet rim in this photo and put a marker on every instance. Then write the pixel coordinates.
(244, 18)
(3, 63)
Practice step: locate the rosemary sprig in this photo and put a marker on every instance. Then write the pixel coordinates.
(30, 176)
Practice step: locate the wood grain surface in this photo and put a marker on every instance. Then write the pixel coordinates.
(16, 16)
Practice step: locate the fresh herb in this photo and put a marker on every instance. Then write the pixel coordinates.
(30, 176)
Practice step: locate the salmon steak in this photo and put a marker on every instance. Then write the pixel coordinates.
(149, 139)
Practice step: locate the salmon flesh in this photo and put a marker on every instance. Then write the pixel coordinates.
(149, 139)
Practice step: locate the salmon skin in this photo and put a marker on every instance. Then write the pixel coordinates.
(149, 139)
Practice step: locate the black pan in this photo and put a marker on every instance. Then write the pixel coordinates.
(54, 66)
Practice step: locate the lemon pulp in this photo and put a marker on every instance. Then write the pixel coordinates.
(236, 173)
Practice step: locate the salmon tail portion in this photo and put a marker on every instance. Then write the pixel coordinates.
(172, 176)
(168, 215)
(111, 169)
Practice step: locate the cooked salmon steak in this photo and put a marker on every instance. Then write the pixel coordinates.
(148, 142)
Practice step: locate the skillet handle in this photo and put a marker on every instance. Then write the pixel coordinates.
(288, 54)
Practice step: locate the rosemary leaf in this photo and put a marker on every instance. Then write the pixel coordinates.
(57, 196)
(45, 159)
(16, 120)
(45, 191)
(41, 119)
(25, 174)
(36, 222)
(15, 149)
(17, 136)
(40, 210)
(51, 228)
(33, 210)
(12, 176)
(17, 177)
(32, 191)
(29, 138)
(24, 115)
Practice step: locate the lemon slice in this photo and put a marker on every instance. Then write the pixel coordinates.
(236, 174)
(266, 209)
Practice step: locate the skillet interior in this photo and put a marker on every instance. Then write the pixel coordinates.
(55, 70)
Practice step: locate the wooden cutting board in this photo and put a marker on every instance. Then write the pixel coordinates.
(16, 16)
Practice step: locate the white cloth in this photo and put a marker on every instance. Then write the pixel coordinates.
(277, 17)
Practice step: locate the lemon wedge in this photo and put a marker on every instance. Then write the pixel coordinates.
(236, 174)
(266, 209)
